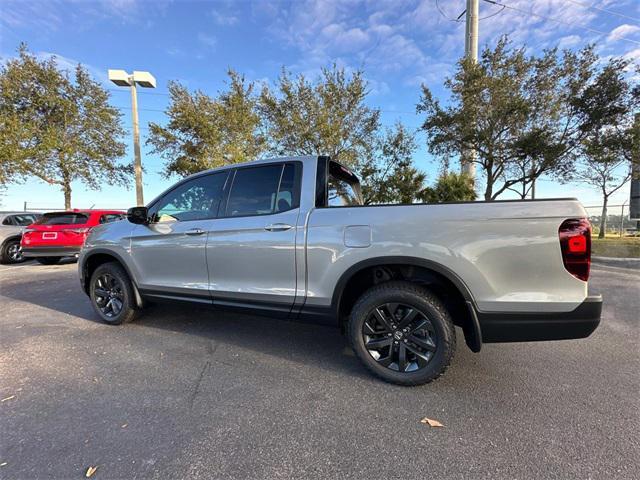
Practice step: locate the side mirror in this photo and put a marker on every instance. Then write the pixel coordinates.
(138, 215)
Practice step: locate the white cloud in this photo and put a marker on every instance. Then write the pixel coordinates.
(622, 31)
(225, 19)
(207, 40)
(569, 41)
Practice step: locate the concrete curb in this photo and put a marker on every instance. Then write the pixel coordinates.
(632, 263)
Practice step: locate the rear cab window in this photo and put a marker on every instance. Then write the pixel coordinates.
(343, 187)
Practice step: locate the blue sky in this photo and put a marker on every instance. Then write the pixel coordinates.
(399, 44)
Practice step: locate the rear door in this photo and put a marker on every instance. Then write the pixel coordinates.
(251, 248)
(169, 253)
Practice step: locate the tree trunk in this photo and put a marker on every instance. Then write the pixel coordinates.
(66, 188)
(488, 192)
(603, 219)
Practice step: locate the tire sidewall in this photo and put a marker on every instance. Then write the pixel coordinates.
(127, 300)
(444, 342)
(5, 252)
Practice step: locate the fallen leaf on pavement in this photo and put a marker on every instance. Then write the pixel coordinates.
(431, 422)
(8, 398)
(90, 471)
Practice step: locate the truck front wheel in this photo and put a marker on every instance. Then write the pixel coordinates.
(402, 333)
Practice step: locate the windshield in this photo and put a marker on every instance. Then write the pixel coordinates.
(63, 218)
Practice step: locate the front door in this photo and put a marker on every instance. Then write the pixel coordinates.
(251, 248)
(170, 252)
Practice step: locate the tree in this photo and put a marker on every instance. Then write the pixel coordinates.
(58, 128)
(519, 113)
(205, 132)
(612, 135)
(389, 176)
(326, 117)
(450, 187)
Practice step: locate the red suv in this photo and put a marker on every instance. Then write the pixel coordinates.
(62, 234)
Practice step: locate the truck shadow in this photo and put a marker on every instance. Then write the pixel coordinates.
(316, 345)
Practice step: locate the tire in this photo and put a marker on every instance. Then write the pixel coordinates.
(111, 283)
(426, 333)
(48, 260)
(10, 252)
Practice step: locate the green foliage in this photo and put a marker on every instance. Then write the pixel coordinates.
(524, 116)
(612, 137)
(205, 132)
(325, 117)
(57, 128)
(389, 175)
(450, 187)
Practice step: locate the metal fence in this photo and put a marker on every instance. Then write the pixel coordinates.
(40, 208)
(617, 222)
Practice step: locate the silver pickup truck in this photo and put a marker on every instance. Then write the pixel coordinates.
(290, 237)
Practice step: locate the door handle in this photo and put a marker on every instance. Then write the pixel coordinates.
(278, 227)
(194, 231)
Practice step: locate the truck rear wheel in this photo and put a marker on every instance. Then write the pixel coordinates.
(402, 333)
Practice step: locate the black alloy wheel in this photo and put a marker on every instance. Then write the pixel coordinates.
(109, 295)
(15, 252)
(399, 337)
(112, 294)
(402, 333)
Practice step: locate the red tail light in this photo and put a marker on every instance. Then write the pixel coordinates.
(575, 243)
(78, 230)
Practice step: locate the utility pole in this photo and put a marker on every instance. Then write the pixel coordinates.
(144, 79)
(471, 51)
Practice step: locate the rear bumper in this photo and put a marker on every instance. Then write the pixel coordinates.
(32, 252)
(537, 326)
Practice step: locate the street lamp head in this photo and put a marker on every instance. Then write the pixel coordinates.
(119, 77)
(144, 79)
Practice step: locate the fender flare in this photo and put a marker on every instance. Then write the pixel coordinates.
(116, 256)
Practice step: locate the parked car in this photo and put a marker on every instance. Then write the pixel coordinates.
(12, 224)
(56, 235)
(290, 237)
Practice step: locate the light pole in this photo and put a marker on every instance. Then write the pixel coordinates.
(146, 80)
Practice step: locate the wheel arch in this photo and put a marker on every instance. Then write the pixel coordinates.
(445, 283)
(100, 256)
(17, 237)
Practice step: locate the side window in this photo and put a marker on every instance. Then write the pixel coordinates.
(255, 190)
(196, 199)
(110, 217)
(7, 221)
(343, 187)
(23, 220)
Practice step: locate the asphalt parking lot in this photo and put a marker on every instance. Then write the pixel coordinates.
(187, 392)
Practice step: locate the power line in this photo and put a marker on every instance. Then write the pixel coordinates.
(604, 10)
(571, 24)
(145, 92)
